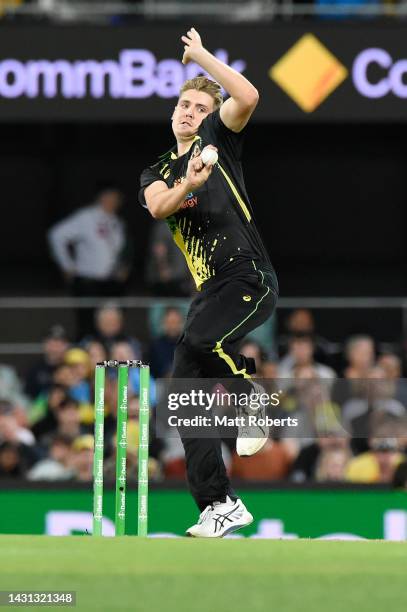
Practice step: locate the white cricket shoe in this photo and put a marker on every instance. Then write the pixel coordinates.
(252, 437)
(221, 518)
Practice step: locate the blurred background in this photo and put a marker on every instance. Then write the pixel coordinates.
(86, 94)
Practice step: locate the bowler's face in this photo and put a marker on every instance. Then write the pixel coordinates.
(192, 108)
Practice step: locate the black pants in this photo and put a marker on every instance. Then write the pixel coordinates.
(226, 310)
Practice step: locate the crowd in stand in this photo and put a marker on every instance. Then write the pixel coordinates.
(70, 9)
(353, 426)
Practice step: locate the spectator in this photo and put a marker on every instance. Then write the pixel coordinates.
(40, 377)
(360, 353)
(43, 415)
(269, 370)
(301, 355)
(309, 401)
(162, 349)
(272, 462)
(375, 402)
(68, 417)
(12, 463)
(332, 464)
(301, 322)
(379, 463)
(79, 361)
(70, 377)
(96, 351)
(57, 465)
(166, 271)
(82, 458)
(391, 366)
(10, 430)
(10, 387)
(64, 376)
(309, 460)
(374, 391)
(109, 328)
(91, 248)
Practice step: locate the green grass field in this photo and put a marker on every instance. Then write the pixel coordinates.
(195, 575)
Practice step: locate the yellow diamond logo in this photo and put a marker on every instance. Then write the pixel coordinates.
(308, 73)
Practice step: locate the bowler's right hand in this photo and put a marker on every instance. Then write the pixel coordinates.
(197, 172)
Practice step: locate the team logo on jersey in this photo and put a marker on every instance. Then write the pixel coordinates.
(165, 171)
(191, 200)
(247, 298)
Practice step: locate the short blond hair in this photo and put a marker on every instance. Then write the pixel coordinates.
(202, 83)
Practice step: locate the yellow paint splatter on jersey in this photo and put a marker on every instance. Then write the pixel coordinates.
(193, 250)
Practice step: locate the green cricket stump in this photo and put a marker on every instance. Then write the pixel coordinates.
(121, 449)
(143, 451)
(98, 450)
